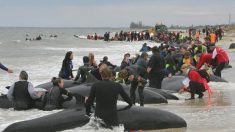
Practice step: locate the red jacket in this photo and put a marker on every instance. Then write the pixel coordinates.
(204, 58)
(220, 54)
(195, 76)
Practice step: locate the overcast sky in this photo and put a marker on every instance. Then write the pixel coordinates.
(113, 13)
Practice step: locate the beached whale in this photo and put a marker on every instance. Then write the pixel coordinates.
(175, 82)
(168, 95)
(48, 85)
(150, 97)
(6, 104)
(232, 46)
(135, 118)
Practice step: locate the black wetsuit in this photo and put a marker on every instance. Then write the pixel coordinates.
(156, 74)
(137, 71)
(106, 94)
(96, 74)
(54, 98)
(109, 64)
(83, 70)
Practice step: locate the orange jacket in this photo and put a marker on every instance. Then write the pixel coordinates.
(213, 38)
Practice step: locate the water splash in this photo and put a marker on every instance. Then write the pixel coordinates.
(95, 125)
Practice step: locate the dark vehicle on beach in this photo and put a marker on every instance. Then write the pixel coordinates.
(159, 28)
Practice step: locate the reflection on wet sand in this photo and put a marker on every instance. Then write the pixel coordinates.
(205, 114)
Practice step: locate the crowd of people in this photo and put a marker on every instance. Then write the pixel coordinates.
(166, 60)
(123, 36)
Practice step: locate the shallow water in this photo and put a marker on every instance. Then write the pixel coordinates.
(42, 60)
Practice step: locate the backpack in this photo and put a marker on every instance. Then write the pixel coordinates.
(203, 73)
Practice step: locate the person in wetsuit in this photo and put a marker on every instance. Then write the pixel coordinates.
(67, 66)
(97, 72)
(83, 70)
(55, 95)
(109, 64)
(106, 95)
(156, 69)
(22, 93)
(138, 77)
(5, 68)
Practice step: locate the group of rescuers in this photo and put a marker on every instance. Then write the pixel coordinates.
(105, 92)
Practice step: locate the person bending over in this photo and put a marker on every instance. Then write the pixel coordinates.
(22, 93)
(106, 95)
(55, 95)
(138, 77)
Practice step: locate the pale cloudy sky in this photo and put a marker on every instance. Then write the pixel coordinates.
(113, 13)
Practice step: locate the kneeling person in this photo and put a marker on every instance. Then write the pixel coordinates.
(22, 93)
(197, 84)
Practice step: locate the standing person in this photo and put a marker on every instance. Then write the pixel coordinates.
(138, 77)
(22, 93)
(56, 95)
(196, 84)
(67, 66)
(126, 61)
(5, 68)
(213, 38)
(156, 69)
(92, 61)
(220, 58)
(143, 60)
(187, 59)
(106, 95)
(145, 48)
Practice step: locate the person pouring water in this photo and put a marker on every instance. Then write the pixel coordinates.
(194, 83)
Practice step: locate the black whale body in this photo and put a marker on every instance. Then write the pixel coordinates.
(135, 118)
(149, 96)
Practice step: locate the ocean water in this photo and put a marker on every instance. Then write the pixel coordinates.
(42, 60)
